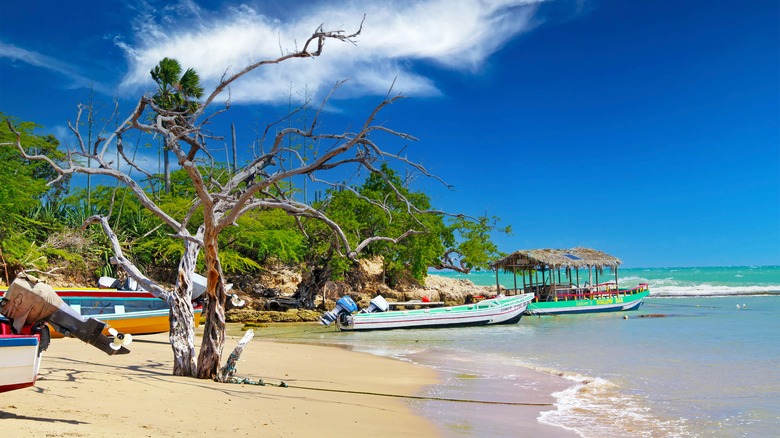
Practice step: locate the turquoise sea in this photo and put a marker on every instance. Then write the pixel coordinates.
(708, 366)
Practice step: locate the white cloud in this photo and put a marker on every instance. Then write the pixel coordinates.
(451, 34)
(36, 59)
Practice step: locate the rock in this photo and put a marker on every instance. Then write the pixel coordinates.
(272, 292)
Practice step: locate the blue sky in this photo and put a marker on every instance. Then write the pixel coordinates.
(647, 129)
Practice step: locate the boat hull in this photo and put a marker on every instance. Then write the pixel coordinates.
(615, 303)
(19, 361)
(506, 310)
(136, 323)
(129, 312)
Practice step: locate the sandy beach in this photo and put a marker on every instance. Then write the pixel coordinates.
(81, 392)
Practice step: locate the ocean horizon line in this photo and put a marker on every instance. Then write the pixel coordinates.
(437, 271)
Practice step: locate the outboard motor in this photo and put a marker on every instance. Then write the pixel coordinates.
(344, 306)
(108, 283)
(130, 284)
(378, 304)
(28, 302)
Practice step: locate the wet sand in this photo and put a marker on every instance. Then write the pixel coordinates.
(499, 406)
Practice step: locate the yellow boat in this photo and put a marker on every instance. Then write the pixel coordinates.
(128, 312)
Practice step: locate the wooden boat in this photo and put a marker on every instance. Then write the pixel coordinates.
(20, 358)
(131, 312)
(553, 275)
(19, 361)
(585, 300)
(499, 310)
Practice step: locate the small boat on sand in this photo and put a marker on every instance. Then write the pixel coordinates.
(541, 273)
(499, 310)
(130, 312)
(123, 307)
(21, 359)
(32, 307)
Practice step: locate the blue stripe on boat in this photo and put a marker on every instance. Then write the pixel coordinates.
(18, 342)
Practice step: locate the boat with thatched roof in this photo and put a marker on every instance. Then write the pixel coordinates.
(553, 276)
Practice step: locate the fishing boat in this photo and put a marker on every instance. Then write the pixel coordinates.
(123, 307)
(20, 358)
(498, 310)
(19, 361)
(130, 312)
(553, 276)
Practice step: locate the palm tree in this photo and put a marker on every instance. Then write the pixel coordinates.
(175, 94)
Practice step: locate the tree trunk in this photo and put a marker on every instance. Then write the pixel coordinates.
(182, 327)
(226, 373)
(214, 328)
(311, 285)
(167, 169)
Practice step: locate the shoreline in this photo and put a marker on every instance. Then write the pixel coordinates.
(83, 392)
(331, 391)
(500, 408)
(460, 403)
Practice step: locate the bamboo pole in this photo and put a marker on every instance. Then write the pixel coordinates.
(578, 278)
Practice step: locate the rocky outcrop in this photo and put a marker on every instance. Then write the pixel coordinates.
(451, 291)
(273, 292)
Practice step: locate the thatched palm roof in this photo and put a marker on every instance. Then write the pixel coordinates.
(575, 258)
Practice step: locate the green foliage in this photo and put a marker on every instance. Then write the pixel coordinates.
(20, 252)
(411, 257)
(174, 92)
(22, 191)
(34, 214)
(340, 267)
(157, 251)
(265, 236)
(360, 219)
(261, 237)
(233, 262)
(21, 185)
(475, 248)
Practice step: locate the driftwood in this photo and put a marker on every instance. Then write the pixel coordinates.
(227, 371)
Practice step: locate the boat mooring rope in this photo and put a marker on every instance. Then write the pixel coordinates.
(283, 384)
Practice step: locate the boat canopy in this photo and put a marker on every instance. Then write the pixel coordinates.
(551, 259)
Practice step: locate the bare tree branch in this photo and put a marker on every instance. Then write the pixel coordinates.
(124, 262)
(222, 198)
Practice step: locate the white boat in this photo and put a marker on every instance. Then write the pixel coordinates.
(19, 361)
(499, 310)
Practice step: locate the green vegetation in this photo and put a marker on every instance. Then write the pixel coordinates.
(174, 92)
(25, 200)
(41, 226)
(360, 216)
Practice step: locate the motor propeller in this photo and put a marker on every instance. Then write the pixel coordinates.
(120, 339)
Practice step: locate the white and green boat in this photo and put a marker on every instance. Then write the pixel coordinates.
(498, 310)
(553, 276)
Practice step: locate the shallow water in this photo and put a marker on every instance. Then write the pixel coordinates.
(707, 367)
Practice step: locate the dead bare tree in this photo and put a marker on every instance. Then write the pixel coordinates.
(254, 186)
